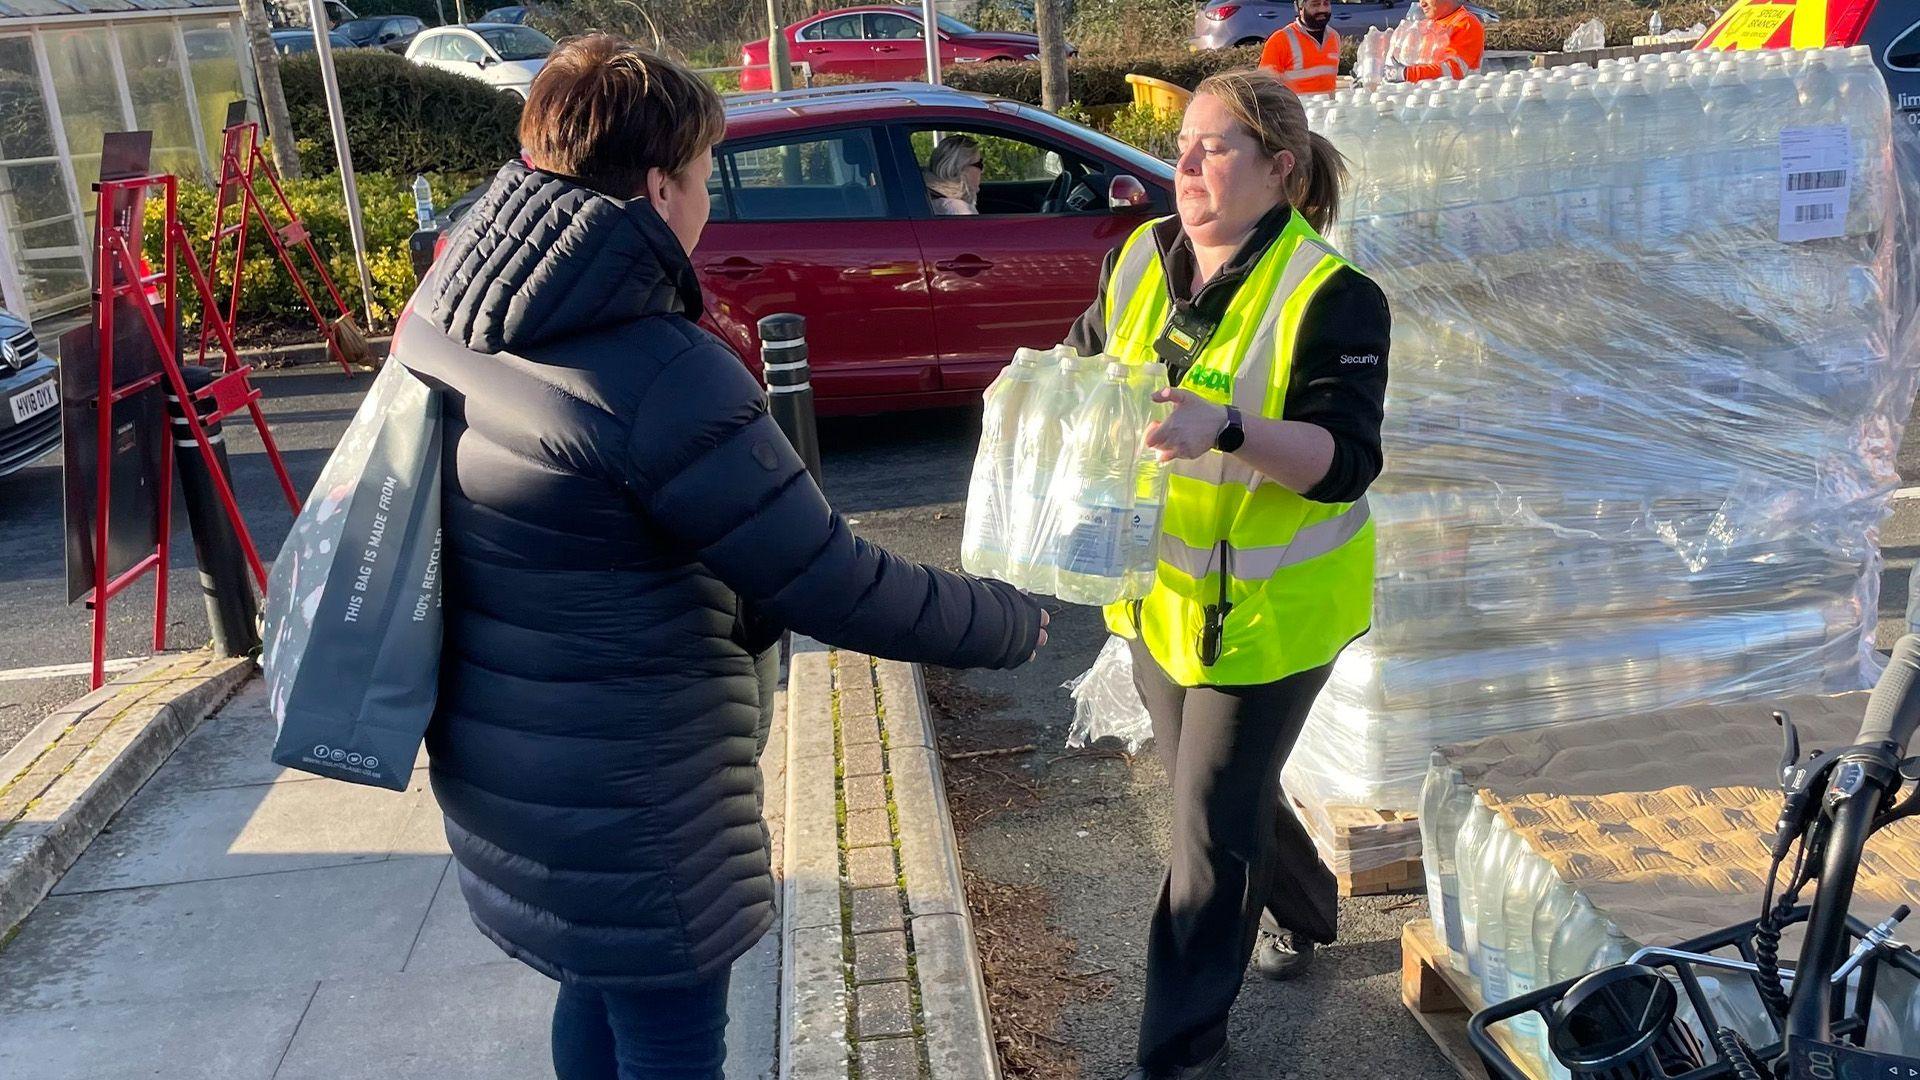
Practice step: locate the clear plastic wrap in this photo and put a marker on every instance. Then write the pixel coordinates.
(1065, 499)
(1638, 444)
(1106, 703)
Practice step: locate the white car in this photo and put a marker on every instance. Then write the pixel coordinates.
(501, 54)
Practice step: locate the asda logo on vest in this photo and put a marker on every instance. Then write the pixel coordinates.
(1208, 379)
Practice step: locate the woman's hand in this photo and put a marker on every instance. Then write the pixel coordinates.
(1190, 430)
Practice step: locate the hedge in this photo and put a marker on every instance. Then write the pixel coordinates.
(270, 302)
(1096, 82)
(402, 118)
(1623, 22)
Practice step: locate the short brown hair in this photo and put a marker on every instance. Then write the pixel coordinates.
(603, 111)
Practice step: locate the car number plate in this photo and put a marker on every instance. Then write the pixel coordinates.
(33, 402)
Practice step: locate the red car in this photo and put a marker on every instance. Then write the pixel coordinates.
(881, 43)
(819, 209)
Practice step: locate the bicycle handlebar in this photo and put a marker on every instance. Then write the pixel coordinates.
(1893, 709)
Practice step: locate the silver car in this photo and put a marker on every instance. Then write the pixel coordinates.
(29, 397)
(1226, 24)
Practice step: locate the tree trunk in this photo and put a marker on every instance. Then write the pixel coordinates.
(266, 66)
(1049, 19)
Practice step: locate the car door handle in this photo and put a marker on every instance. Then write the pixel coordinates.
(885, 48)
(737, 268)
(964, 265)
(817, 50)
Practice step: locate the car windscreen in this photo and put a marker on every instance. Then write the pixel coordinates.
(359, 31)
(950, 25)
(518, 42)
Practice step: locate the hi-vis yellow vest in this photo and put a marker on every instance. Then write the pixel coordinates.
(1299, 574)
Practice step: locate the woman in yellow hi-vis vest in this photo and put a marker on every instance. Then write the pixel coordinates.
(1276, 348)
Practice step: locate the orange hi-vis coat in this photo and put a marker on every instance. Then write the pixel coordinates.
(1305, 65)
(1466, 40)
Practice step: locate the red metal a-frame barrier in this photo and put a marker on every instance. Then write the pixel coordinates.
(117, 275)
(241, 161)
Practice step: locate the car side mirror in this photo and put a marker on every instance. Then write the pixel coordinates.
(485, 62)
(1612, 1018)
(1126, 192)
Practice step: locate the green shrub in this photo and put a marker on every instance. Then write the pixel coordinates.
(1124, 27)
(1155, 132)
(1098, 81)
(402, 118)
(1623, 20)
(270, 301)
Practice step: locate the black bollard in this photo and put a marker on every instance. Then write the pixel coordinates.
(783, 361)
(233, 611)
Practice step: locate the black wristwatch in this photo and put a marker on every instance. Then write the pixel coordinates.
(1232, 435)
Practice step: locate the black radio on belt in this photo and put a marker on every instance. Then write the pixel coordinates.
(1185, 334)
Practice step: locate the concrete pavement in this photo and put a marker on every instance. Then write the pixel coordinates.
(240, 921)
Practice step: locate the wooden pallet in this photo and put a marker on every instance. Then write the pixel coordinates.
(1442, 999)
(1358, 830)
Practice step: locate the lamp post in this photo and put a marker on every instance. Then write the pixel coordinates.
(349, 188)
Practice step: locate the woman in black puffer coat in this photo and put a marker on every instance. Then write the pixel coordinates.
(626, 535)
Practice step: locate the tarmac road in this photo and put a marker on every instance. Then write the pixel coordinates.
(1092, 845)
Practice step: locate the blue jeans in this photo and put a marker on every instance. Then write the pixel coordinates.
(677, 1034)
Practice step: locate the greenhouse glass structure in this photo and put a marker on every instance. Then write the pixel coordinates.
(73, 70)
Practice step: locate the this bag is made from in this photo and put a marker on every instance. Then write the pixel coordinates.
(352, 620)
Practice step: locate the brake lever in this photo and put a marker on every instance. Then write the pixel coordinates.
(1801, 782)
(1790, 756)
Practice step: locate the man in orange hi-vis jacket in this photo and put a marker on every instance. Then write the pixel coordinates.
(1305, 52)
(1466, 40)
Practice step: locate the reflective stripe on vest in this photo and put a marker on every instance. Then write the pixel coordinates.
(1298, 573)
(1315, 65)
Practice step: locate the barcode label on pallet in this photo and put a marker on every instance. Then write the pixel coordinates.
(1814, 182)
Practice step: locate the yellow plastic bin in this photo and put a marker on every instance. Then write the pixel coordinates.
(1158, 94)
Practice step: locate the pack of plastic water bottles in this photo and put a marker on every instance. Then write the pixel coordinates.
(1654, 351)
(1065, 498)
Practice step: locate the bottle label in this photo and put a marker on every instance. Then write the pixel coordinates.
(1582, 216)
(1092, 540)
(1143, 542)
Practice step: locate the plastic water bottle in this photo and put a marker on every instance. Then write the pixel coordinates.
(1094, 490)
(990, 518)
(1149, 485)
(1527, 888)
(1579, 942)
(422, 202)
(1583, 199)
(1627, 130)
(1497, 856)
(1554, 909)
(1474, 835)
(1655, 25)
(1733, 124)
(1535, 139)
(1440, 825)
(1490, 222)
(1041, 437)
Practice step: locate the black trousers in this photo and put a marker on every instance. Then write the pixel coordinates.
(1236, 852)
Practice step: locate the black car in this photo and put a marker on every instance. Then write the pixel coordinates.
(29, 397)
(389, 32)
(295, 42)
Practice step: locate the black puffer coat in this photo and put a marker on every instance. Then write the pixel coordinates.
(626, 531)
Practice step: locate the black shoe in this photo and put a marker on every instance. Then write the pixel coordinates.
(1207, 1068)
(1282, 956)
